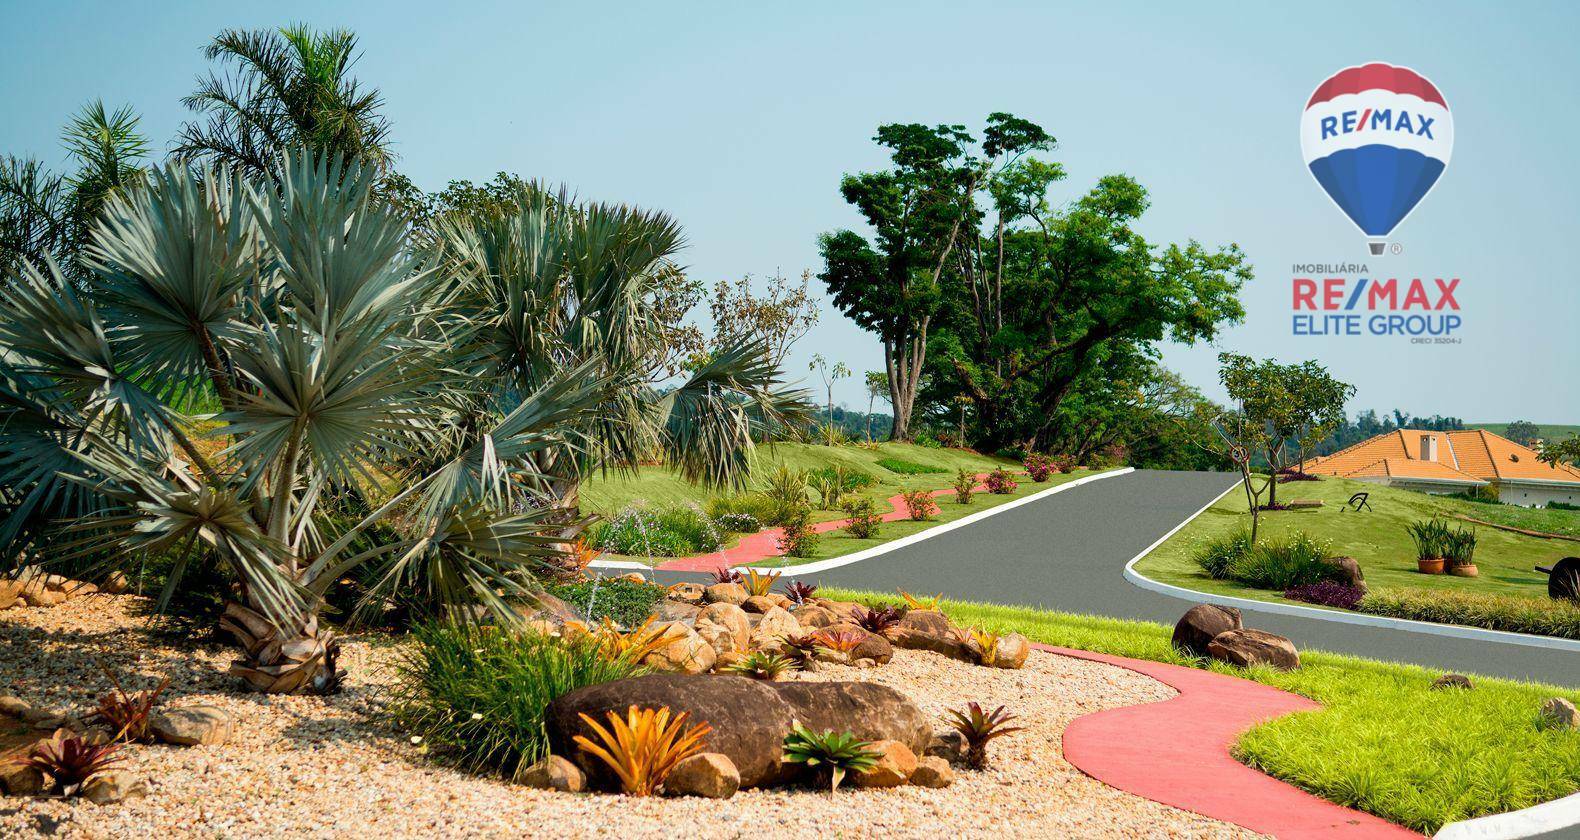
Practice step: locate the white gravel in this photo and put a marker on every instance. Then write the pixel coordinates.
(328, 768)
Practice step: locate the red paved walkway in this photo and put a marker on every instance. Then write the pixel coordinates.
(1177, 752)
(755, 548)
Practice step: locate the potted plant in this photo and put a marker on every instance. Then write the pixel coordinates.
(1461, 553)
(1428, 537)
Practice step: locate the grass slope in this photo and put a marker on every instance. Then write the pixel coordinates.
(1376, 538)
(1550, 431)
(1385, 743)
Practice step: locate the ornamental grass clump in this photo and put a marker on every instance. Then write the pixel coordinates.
(1215, 556)
(979, 728)
(920, 505)
(831, 753)
(643, 747)
(477, 695)
(1282, 564)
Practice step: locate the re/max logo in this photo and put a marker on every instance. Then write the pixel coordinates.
(1380, 119)
(1378, 294)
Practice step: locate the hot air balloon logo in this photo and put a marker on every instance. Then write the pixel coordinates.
(1377, 138)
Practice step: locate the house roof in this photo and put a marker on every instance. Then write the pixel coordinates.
(1474, 455)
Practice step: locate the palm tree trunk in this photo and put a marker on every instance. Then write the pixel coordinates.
(302, 661)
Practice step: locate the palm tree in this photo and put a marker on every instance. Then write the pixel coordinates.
(451, 400)
(288, 88)
(43, 214)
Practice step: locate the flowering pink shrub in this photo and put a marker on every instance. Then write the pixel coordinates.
(1038, 466)
(920, 504)
(1000, 482)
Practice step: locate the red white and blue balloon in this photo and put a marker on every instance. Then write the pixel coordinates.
(1377, 137)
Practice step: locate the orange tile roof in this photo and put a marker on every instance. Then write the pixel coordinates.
(1474, 455)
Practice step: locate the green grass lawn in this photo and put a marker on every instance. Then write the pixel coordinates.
(1376, 538)
(1549, 431)
(660, 487)
(1385, 742)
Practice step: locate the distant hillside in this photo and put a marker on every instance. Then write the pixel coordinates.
(1549, 431)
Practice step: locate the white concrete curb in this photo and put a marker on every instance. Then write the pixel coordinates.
(1451, 630)
(1527, 822)
(867, 554)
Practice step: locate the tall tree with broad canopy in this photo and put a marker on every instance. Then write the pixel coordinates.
(1289, 408)
(917, 211)
(429, 412)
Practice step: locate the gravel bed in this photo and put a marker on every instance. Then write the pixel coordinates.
(328, 767)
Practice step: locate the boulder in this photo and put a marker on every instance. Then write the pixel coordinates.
(932, 772)
(38, 596)
(685, 652)
(777, 622)
(676, 611)
(554, 773)
(712, 775)
(1347, 570)
(758, 604)
(719, 638)
(690, 593)
(1013, 648)
(725, 593)
(782, 601)
(10, 593)
(21, 780)
(930, 630)
(814, 616)
(730, 617)
(870, 711)
(56, 582)
(76, 588)
(113, 786)
(749, 719)
(14, 706)
(948, 745)
(192, 725)
(1201, 624)
(1452, 681)
(896, 763)
(840, 609)
(1246, 647)
(1560, 713)
(876, 648)
(114, 583)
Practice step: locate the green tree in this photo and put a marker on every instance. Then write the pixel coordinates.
(1566, 451)
(829, 374)
(917, 211)
(1523, 432)
(877, 383)
(1294, 406)
(429, 414)
(284, 89)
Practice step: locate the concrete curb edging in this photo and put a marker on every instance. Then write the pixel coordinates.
(1526, 822)
(877, 550)
(1450, 630)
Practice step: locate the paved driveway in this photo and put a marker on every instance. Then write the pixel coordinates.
(1068, 552)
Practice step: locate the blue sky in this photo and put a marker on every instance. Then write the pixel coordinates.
(740, 118)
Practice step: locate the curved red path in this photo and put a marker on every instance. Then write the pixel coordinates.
(754, 548)
(1177, 752)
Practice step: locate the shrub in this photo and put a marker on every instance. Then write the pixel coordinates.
(920, 505)
(829, 492)
(755, 505)
(643, 747)
(978, 728)
(896, 465)
(965, 482)
(928, 440)
(738, 523)
(1214, 557)
(797, 538)
(1514, 613)
(1328, 593)
(1282, 564)
(786, 492)
(624, 602)
(1562, 506)
(863, 520)
(1486, 494)
(1064, 463)
(1039, 467)
(847, 478)
(670, 532)
(829, 752)
(1000, 482)
(477, 695)
(1289, 474)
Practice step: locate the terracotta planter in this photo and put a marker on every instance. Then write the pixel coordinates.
(1464, 570)
(1429, 565)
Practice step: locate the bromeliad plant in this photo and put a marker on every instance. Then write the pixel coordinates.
(450, 400)
(799, 592)
(879, 619)
(979, 728)
(124, 713)
(761, 583)
(643, 747)
(761, 665)
(834, 753)
(72, 761)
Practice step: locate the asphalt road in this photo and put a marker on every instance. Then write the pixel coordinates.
(1068, 551)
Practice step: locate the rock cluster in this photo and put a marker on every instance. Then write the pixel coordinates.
(1208, 630)
(33, 587)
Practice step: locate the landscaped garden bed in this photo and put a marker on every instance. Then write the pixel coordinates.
(339, 765)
